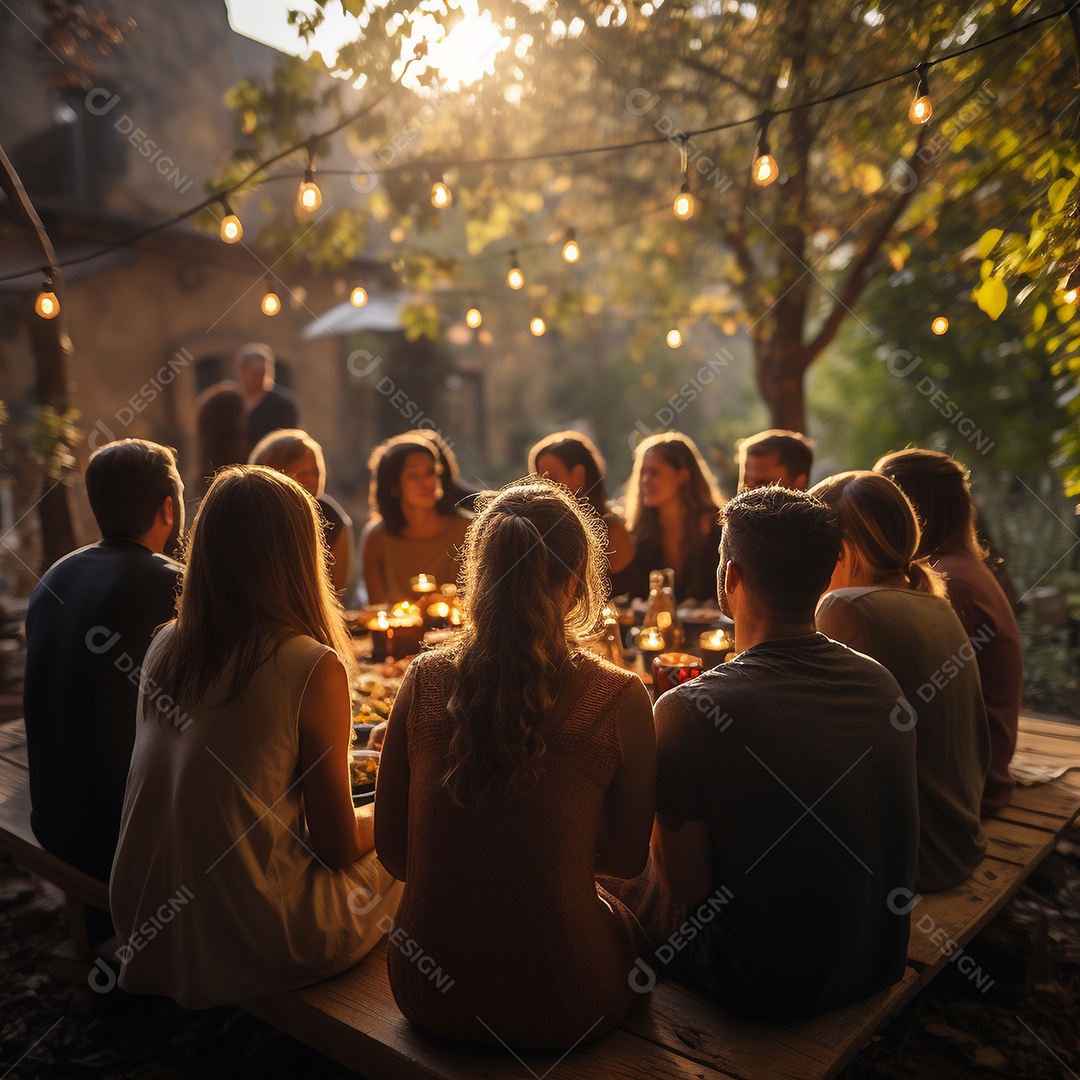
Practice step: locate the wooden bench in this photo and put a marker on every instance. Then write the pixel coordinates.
(17, 840)
(673, 1033)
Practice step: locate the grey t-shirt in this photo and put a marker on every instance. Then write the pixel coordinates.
(789, 753)
(919, 638)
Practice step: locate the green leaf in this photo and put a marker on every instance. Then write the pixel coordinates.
(992, 296)
(987, 242)
(1038, 318)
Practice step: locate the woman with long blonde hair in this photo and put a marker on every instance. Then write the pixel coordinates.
(887, 602)
(238, 797)
(517, 766)
(672, 512)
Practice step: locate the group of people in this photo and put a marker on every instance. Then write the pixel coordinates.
(543, 837)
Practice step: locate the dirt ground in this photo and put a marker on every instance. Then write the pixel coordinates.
(951, 1030)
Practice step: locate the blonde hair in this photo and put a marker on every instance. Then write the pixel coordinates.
(530, 547)
(257, 575)
(281, 448)
(880, 525)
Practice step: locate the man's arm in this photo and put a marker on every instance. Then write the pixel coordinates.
(681, 841)
(680, 850)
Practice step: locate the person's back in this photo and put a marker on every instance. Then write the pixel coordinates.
(516, 767)
(786, 820)
(503, 897)
(789, 753)
(215, 831)
(987, 617)
(918, 637)
(88, 626)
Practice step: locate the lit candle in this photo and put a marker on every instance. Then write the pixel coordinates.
(715, 646)
(424, 583)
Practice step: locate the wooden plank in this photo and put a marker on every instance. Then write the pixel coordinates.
(1043, 724)
(942, 921)
(685, 1022)
(12, 736)
(353, 1019)
(1055, 800)
(1018, 843)
(17, 839)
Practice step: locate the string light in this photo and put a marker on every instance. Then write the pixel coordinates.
(473, 318)
(537, 326)
(571, 250)
(358, 297)
(309, 196)
(46, 305)
(514, 277)
(1071, 286)
(940, 325)
(921, 109)
(441, 196)
(674, 338)
(764, 169)
(684, 201)
(271, 302)
(232, 232)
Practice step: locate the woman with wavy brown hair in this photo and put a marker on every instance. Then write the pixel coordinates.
(672, 512)
(238, 797)
(517, 766)
(888, 603)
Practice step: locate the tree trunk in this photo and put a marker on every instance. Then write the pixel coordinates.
(779, 366)
(52, 348)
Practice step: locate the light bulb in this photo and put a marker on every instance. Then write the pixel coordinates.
(46, 304)
(940, 325)
(674, 339)
(765, 169)
(231, 229)
(921, 109)
(537, 326)
(684, 202)
(514, 277)
(571, 251)
(473, 318)
(309, 196)
(358, 297)
(271, 303)
(440, 195)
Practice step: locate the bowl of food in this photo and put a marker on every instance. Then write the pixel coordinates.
(363, 773)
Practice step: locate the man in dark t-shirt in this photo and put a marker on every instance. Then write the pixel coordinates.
(88, 625)
(267, 406)
(787, 821)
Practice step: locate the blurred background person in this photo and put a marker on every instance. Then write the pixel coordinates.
(407, 534)
(239, 786)
(775, 456)
(887, 602)
(571, 459)
(940, 491)
(672, 514)
(268, 406)
(516, 767)
(299, 456)
(221, 427)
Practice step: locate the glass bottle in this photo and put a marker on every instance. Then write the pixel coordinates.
(661, 611)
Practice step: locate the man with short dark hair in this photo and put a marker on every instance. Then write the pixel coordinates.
(787, 823)
(775, 456)
(268, 407)
(88, 626)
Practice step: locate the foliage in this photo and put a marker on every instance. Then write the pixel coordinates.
(49, 440)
